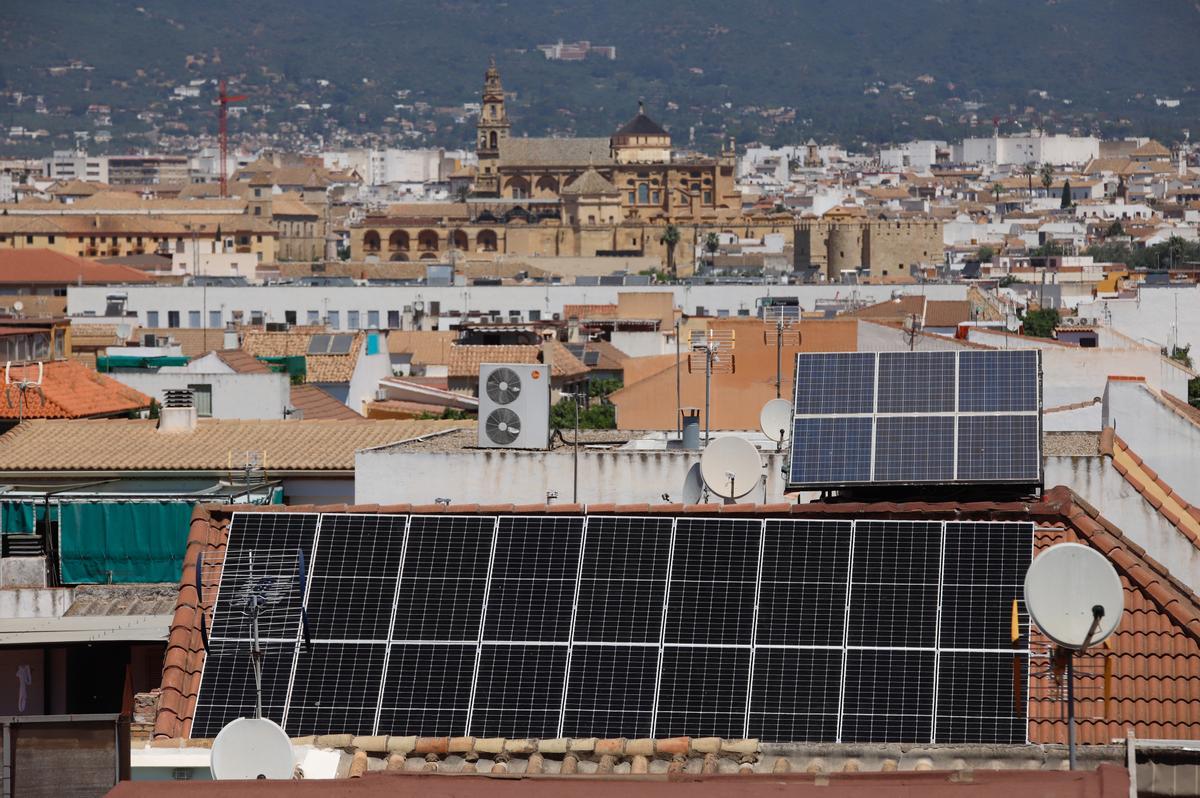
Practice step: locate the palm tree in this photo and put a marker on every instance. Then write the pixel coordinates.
(1028, 170)
(1047, 177)
(997, 190)
(670, 238)
(712, 242)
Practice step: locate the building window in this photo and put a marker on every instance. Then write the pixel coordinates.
(289, 316)
(173, 319)
(257, 210)
(372, 319)
(151, 318)
(352, 319)
(202, 398)
(643, 194)
(535, 315)
(28, 239)
(256, 317)
(393, 318)
(193, 318)
(632, 198)
(214, 319)
(314, 317)
(708, 198)
(334, 320)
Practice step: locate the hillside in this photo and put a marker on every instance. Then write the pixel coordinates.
(856, 70)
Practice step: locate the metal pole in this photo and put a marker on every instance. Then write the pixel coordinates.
(575, 465)
(678, 385)
(708, 356)
(779, 358)
(256, 661)
(1071, 709)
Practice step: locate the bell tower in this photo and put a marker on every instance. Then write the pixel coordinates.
(492, 129)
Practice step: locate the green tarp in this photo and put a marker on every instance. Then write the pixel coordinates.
(106, 363)
(102, 542)
(18, 518)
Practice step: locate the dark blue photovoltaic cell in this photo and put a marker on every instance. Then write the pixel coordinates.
(999, 448)
(834, 383)
(831, 449)
(916, 382)
(978, 701)
(1004, 381)
(913, 448)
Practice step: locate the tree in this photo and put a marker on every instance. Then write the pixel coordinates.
(985, 254)
(669, 239)
(1029, 170)
(1047, 172)
(1066, 195)
(600, 415)
(1182, 354)
(712, 242)
(1040, 323)
(997, 190)
(1114, 229)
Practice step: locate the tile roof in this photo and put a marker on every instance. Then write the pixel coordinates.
(69, 389)
(432, 347)
(241, 361)
(192, 341)
(137, 445)
(1145, 480)
(563, 364)
(590, 182)
(319, 368)
(1156, 651)
(315, 403)
(466, 360)
(902, 307)
(946, 313)
(45, 267)
(554, 152)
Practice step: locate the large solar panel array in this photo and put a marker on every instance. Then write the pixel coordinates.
(904, 418)
(554, 625)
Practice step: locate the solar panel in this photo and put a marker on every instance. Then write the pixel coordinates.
(319, 344)
(782, 629)
(899, 418)
(340, 344)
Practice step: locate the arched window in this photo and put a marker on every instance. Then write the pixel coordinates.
(485, 241)
(493, 139)
(643, 194)
(427, 241)
(398, 241)
(371, 241)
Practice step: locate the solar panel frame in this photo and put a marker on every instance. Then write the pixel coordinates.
(936, 417)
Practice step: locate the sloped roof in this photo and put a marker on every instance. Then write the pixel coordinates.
(426, 347)
(590, 182)
(554, 152)
(319, 368)
(466, 360)
(47, 267)
(69, 389)
(315, 403)
(641, 125)
(902, 307)
(138, 445)
(1156, 650)
(947, 312)
(241, 361)
(1151, 149)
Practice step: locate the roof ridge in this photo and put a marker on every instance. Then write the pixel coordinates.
(1150, 474)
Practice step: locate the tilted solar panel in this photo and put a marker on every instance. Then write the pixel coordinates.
(785, 629)
(905, 418)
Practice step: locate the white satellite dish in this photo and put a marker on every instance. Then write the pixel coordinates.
(775, 418)
(252, 748)
(731, 467)
(18, 306)
(1074, 595)
(693, 485)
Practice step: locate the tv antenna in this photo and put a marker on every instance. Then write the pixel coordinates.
(23, 384)
(712, 351)
(774, 420)
(731, 467)
(782, 329)
(1075, 598)
(252, 748)
(262, 588)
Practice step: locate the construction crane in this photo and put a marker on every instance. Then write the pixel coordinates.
(224, 100)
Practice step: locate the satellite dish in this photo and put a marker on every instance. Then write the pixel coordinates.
(731, 467)
(18, 306)
(775, 418)
(418, 306)
(693, 485)
(1074, 595)
(252, 748)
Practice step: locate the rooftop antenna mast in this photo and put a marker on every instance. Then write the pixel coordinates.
(712, 350)
(225, 99)
(23, 384)
(783, 321)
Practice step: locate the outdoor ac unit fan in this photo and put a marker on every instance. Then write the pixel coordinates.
(514, 406)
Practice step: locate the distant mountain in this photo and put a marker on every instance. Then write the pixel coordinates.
(770, 70)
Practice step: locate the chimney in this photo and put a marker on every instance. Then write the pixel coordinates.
(178, 411)
(231, 338)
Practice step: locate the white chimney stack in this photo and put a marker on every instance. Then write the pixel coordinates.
(178, 412)
(231, 339)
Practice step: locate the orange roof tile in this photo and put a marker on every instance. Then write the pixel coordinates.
(47, 267)
(315, 403)
(69, 389)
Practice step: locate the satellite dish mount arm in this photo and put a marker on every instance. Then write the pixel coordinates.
(1097, 616)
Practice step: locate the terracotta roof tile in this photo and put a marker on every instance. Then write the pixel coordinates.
(45, 266)
(318, 404)
(69, 389)
(466, 360)
(242, 361)
(126, 445)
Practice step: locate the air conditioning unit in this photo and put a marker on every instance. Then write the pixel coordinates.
(277, 326)
(514, 406)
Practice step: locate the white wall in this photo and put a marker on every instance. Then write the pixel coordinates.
(1095, 479)
(392, 475)
(234, 396)
(1160, 316)
(641, 344)
(1166, 442)
(368, 371)
(272, 301)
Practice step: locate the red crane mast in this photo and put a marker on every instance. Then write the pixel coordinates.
(225, 99)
